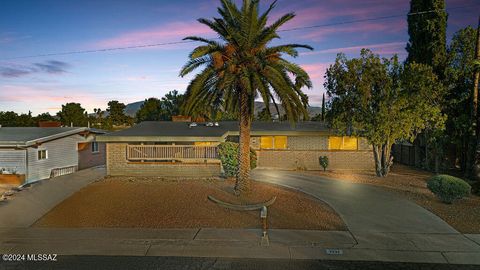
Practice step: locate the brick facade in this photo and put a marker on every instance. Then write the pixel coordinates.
(303, 153)
(308, 160)
(117, 164)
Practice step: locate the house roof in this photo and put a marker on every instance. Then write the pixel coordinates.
(27, 136)
(180, 131)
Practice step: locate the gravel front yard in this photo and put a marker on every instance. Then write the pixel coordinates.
(463, 215)
(157, 203)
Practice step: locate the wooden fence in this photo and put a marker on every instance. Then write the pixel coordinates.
(170, 152)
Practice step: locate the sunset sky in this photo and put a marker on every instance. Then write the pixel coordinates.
(43, 84)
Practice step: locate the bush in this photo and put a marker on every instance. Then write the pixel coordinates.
(323, 160)
(448, 188)
(228, 153)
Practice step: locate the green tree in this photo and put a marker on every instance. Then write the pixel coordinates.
(73, 113)
(317, 117)
(458, 100)
(427, 26)
(242, 66)
(8, 119)
(264, 115)
(151, 110)
(116, 112)
(44, 117)
(25, 120)
(428, 34)
(171, 104)
(383, 101)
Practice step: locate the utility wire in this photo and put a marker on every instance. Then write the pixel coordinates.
(191, 41)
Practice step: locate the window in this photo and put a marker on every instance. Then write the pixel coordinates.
(203, 143)
(273, 142)
(42, 154)
(342, 143)
(94, 147)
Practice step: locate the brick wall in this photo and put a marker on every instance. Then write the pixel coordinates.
(117, 164)
(307, 142)
(87, 159)
(338, 160)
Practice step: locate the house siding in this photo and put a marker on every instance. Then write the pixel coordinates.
(118, 165)
(61, 153)
(88, 159)
(13, 159)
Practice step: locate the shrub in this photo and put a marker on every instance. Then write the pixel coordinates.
(228, 153)
(323, 160)
(448, 188)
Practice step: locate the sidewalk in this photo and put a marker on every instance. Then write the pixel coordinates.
(239, 243)
(27, 206)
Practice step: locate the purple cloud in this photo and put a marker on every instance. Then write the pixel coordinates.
(50, 67)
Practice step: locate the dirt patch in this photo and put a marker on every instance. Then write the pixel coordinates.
(156, 203)
(463, 215)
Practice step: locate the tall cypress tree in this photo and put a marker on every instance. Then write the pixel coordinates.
(323, 107)
(428, 34)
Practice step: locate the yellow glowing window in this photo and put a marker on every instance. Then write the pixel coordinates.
(342, 143)
(203, 143)
(273, 142)
(266, 142)
(280, 142)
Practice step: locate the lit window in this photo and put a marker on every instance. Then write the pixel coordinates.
(342, 143)
(266, 142)
(280, 142)
(273, 142)
(42, 154)
(203, 143)
(94, 147)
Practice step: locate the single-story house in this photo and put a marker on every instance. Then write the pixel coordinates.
(190, 149)
(29, 154)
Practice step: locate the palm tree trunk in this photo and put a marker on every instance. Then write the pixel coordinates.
(242, 184)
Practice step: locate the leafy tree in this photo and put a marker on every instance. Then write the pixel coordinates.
(242, 66)
(458, 100)
(151, 110)
(72, 113)
(264, 115)
(383, 101)
(171, 104)
(8, 119)
(427, 31)
(25, 120)
(116, 112)
(317, 117)
(427, 24)
(44, 117)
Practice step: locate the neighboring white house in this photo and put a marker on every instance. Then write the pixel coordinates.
(37, 153)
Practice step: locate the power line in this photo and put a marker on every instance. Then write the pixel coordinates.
(191, 41)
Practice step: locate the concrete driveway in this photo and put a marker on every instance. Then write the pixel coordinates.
(29, 205)
(364, 208)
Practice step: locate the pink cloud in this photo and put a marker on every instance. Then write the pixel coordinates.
(379, 48)
(46, 98)
(171, 32)
(359, 29)
(317, 70)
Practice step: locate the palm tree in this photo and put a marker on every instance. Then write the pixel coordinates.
(239, 67)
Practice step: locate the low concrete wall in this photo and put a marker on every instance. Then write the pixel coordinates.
(117, 164)
(338, 160)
